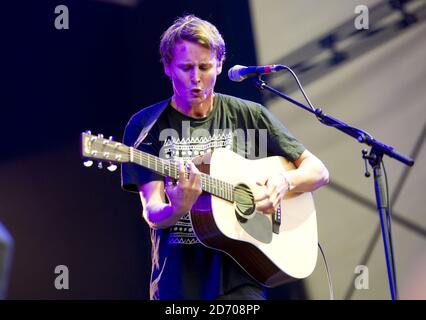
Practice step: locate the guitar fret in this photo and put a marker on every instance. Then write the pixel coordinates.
(160, 167)
(227, 192)
(205, 183)
(213, 186)
(209, 184)
(222, 189)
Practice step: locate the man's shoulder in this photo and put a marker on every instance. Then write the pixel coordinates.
(144, 114)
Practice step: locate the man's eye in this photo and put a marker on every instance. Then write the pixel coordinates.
(207, 67)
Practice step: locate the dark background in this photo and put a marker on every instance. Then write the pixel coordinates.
(58, 83)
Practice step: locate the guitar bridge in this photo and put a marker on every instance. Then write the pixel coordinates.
(276, 220)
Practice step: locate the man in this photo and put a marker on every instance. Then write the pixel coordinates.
(193, 120)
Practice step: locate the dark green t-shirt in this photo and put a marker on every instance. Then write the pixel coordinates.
(182, 268)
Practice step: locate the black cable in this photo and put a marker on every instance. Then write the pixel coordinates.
(300, 86)
(330, 283)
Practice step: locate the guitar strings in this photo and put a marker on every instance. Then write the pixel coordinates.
(206, 180)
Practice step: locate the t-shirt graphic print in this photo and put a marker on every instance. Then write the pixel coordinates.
(176, 149)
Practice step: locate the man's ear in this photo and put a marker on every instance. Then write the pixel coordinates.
(219, 67)
(167, 70)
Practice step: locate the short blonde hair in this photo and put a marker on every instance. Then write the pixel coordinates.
(193, 29)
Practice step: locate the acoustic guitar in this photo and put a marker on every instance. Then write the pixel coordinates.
(272, 248)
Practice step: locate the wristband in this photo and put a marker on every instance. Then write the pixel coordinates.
(287, 181)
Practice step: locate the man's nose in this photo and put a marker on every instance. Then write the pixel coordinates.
(195, 75)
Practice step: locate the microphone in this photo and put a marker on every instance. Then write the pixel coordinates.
(239, 73)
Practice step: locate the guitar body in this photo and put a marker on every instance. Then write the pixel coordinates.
(272, 258)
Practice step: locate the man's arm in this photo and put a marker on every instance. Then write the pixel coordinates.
(309, 175)
(156, 212)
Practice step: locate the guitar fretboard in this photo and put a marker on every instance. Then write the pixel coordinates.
(167, 168)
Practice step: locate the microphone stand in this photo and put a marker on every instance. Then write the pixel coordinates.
(375, 158)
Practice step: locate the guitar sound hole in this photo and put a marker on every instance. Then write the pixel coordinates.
(244, 201)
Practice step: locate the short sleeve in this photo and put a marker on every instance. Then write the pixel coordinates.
(280, 141)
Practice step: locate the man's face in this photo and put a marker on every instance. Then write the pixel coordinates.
(193, 71)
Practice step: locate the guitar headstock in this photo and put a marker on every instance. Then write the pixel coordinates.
(99, 148)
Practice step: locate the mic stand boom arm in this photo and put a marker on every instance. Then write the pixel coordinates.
(375, 157)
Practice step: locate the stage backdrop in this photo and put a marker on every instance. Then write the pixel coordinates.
(378, 86)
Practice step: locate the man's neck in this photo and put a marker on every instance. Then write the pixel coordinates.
(201, 110)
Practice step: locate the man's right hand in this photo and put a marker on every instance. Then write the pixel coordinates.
(183, 195)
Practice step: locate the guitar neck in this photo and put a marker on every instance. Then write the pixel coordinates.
(167, 168)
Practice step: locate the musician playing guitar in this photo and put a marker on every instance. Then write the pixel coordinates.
(194, 122)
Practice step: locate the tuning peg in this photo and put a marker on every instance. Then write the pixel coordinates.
(112, 167)
(100, 136)
(88, 163)
(111, 138)
(88, 132)
(100, 165)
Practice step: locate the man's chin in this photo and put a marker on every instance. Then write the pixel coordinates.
(197, 98)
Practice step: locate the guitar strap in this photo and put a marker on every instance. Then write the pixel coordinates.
(156, 111)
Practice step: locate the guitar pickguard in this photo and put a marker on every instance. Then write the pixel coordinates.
(255, 223)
